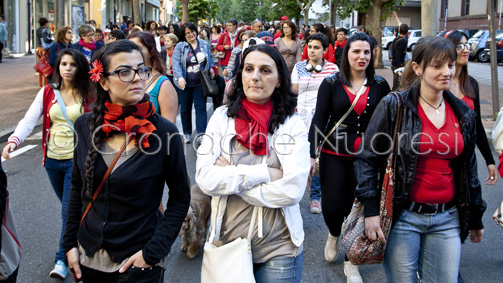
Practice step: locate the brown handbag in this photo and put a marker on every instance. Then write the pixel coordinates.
(43, 66)
(359, 249)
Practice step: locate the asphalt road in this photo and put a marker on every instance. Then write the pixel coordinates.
(37, 212)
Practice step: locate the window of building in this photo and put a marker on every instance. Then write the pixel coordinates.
(444, 4)
(465, 7)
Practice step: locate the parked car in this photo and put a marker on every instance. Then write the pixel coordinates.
(387, 37)
(414, 36)
(499, 47)
(478, 44)
(469, 32)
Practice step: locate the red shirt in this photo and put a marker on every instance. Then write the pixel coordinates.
(434, 179)
(469, 102)
(277, 34)
(359, 108)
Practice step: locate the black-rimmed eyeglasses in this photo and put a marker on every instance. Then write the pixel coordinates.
(127, 75)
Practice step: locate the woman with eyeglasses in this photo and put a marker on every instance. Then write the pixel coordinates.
(71, 81)
(289, 45)
(86, 44)
(124, 237)
(63, 41)
(466, 88)
(189, 56)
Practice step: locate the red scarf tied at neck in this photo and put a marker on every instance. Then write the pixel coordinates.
(130, 119)
(340, 44)
(252, 126)
(91, 46)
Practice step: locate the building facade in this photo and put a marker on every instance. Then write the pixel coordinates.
(466, 14)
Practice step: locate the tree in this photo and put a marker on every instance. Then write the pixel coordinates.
(136, 12)
(185, 10)
(196, 10)
(380, 8)
(305, 9)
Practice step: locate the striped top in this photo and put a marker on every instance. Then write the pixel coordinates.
(309, 82)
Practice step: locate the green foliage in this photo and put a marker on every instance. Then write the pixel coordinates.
(347, 7)
(249, 10)
(198, 9)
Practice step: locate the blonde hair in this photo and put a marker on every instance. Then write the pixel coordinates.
(171, 36)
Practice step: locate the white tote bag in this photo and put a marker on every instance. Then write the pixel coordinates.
(231, 262)
(497, 134)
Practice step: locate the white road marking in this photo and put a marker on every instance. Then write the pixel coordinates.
(20, 151)
(37, 136)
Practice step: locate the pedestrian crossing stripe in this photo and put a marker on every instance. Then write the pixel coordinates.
(20, 151)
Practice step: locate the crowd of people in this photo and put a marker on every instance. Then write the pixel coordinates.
(293, 96)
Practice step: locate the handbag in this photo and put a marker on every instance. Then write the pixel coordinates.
(43, 66)
(210, 87)
(220, 54)
(231, 262)
(498, 215)
(337, 125)
(359, 249)
(11, 248)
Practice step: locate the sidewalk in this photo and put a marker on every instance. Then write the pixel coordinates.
(19, 86)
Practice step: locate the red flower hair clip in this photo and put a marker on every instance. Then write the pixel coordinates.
(97, 71)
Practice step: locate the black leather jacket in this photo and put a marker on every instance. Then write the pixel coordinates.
(369, 163)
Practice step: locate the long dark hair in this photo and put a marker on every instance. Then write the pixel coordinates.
(346, 68)
(284, 100)
(292, 26)
(326, 31)
(81, 82)
(148, 40)
(97, 115)
(427, 49)
(176, 31)
(464, 80)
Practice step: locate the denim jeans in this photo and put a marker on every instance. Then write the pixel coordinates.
(60, 175)
(426, 244)
(279, 269)
(315, 188)
(186, 97)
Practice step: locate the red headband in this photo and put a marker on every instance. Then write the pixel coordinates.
(447, 34)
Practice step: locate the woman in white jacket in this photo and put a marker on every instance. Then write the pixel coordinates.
(255, 153)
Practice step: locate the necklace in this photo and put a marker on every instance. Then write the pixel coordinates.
(356, 90)
(436, 108)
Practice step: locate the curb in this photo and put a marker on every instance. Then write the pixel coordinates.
(4, 134)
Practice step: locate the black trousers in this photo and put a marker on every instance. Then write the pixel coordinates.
(132, 275)
(338, 183)
(13, 277)
(396, 78)
(1, 48)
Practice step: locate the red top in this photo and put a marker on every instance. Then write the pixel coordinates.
(469, 102)
(277, 34)
(223, 40)
(329, 55)
(359, 108)
(500, 166)
(434, 179)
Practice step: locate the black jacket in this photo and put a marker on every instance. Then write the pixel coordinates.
(332, 104)
(43, 33)
(482, 142)
(399, 51)
(369, 163)
(125, 217)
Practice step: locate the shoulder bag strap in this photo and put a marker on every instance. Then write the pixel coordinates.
(398, 125)
(362, 90)
(62, 106)
(107, 174)
(152, 81)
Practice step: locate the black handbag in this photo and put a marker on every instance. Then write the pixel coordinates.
(210, 87)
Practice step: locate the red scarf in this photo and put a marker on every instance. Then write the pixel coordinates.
(341, 44)
(91, 46)
(170, 54)
(130, 119)
(252, 126)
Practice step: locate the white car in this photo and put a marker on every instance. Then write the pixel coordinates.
(414, 36)
(386, 41)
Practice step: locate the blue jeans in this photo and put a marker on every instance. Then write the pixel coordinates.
(315, 188)
(186, 97)
(60, 175)
(426, 244)
(279, 269)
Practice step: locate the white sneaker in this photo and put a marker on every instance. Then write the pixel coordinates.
(352, 273)
(59, 270)
(187, 139)
(331, 250)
